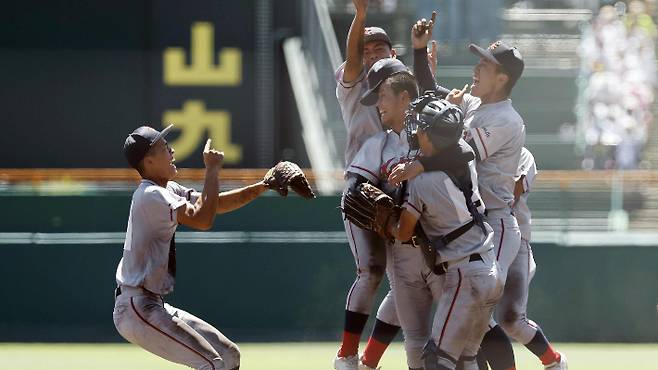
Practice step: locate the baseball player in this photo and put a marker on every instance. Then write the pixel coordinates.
(365, 46)
(512, 306)
(461, 273)
(496, 132)
(147, 269)
(392, 87)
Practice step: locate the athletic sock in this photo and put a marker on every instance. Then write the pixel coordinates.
(497, 349)
(354, 324)
(382, 335)
(540, 346)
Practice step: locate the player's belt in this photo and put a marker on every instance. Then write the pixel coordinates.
(442, 267)
(131, 291)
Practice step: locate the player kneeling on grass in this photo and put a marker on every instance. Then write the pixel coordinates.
(454, 261)
(148, 268)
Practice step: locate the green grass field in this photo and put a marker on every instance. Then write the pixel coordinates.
(295, 356)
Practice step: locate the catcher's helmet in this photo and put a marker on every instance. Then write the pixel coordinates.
(442, 121)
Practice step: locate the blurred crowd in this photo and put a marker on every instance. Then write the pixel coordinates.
(619, 77)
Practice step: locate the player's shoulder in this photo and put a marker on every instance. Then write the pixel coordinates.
(510, 115)
(427, 180)
(149, 192)
(377, 138)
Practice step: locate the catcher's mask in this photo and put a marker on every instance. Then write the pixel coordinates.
(440, 119)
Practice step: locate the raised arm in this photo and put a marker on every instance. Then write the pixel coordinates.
(201, 214)
(354, 50)
(421, 34)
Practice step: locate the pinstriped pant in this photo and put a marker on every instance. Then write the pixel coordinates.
(506, 238)
(144, 319)
(372, 257)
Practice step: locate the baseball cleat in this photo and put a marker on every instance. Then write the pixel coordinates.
(346, 363)
(558, 365)
(363, 366)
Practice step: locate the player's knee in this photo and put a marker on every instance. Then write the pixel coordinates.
(231, 357)
(373, 274)
(513, 323)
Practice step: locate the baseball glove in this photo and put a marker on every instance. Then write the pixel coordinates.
(287, 174)
(370, 208)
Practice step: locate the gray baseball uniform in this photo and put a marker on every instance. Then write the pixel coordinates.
(374, 161)
(362, 122)
(147, 272)
(498, 134)
(513, 305)
(465, 295)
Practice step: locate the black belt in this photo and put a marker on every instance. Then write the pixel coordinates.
(442, 267)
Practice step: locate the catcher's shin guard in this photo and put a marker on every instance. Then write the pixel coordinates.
(436, 359)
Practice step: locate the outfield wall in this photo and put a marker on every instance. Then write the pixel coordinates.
(277, 269)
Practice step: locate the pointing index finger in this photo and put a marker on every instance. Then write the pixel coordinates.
(433, 16)
(207, 147)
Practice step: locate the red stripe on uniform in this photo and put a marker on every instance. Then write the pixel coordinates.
(502, 235)
(482, 141)
(169, 336)
(452, 305)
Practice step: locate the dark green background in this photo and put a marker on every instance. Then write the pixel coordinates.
(280, 291)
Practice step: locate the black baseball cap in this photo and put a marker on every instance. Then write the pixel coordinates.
(376, 34)
(378, 73)
(140, 142)
(504, 55)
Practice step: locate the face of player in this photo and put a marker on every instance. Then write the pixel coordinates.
(392, 106)
(376, 50)
(159, 162)
(488, 81)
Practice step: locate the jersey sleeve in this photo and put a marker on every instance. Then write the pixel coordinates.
(162, 205)
(368, 160)
(413, 203)
(527, 169)
(189, 194)
(487, 140)
(347, 90)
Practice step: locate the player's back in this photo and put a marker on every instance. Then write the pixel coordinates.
(441, 208)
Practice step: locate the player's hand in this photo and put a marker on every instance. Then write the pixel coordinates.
(361, 6)
(433, 57)
(457, 96)
(212, 159)
(421, 32)
(405, 171)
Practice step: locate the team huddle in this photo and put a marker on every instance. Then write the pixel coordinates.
(435, 198)
(454, 166)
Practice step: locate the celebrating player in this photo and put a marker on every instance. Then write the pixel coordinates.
(365, 46)
(147, 269)
(496, 132)
(512, 307)
(444, 212)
